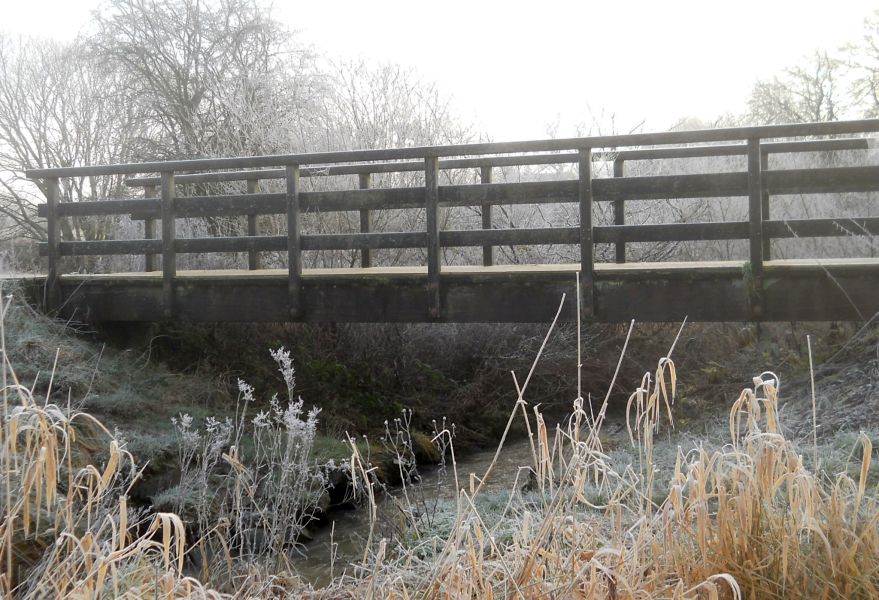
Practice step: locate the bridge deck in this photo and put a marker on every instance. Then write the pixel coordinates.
(804, 289)
(607, 270)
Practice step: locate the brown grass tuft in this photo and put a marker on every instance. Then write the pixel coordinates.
(746, 521)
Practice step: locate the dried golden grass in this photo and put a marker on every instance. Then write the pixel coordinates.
(65, 531)
(748, 521)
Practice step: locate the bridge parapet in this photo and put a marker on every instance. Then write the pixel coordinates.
(160, 201)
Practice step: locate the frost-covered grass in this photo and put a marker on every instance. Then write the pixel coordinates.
(747, 513)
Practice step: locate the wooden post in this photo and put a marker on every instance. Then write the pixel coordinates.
(252, 255)
(149, 231)
(587, 279)
(169, 238)
(53, 237)
(487, 251)
(619, 211)
(764, 198)
(365, 222)
(294, 249)
(755, 213)
(431, 203)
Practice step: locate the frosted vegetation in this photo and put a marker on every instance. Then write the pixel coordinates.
(753, 516)
(774, 499)
(254, 474)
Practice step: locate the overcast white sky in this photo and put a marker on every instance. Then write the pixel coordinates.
(513, 67)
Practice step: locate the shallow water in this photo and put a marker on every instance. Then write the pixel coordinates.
(346, 534)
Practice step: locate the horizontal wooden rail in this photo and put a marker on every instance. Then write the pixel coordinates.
(473, 149)
(715, 150)
(605, 234)
(661, 187)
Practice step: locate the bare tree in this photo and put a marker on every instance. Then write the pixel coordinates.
(863, 60)
(212, 77)
(804, 93)
(57, 108)
(385, 106)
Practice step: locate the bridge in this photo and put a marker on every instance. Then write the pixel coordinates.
(283, 192)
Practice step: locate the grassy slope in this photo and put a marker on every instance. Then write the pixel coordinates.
(127, 390)
(133, 392)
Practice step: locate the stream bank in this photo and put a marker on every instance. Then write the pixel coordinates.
(342, 539)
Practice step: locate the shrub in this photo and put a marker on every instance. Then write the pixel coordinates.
(249, 486)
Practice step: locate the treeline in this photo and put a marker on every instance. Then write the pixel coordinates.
(162, 79)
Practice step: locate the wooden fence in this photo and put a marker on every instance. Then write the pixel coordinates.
(161, 203)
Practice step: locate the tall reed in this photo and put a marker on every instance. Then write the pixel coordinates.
(749, 520)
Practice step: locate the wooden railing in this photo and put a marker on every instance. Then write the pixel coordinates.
(161, 202)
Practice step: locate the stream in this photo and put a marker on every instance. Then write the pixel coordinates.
(347, 530)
